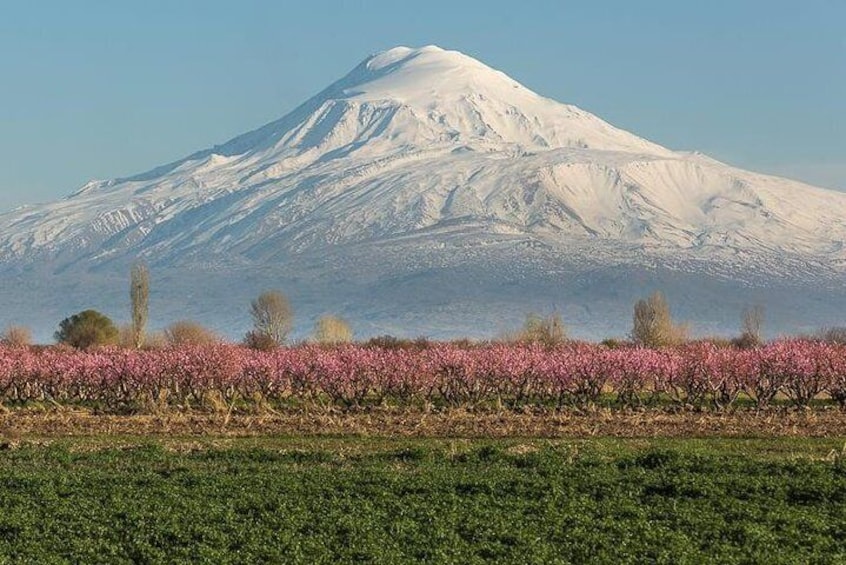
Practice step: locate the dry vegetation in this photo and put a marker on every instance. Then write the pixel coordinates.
(16, 336)
(186, 332)
(57, 422)
(332, 330)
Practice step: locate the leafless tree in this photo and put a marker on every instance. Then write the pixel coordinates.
(186, 332)
(751, 327)
(331, 329)
(272, 316)
(16, 336)
(548, 330)
(653, 325)
(835, 334)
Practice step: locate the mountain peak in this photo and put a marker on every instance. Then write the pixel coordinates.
(402, 53)
(407, 73)
(428, 59)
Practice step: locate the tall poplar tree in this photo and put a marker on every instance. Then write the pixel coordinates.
(139, 294)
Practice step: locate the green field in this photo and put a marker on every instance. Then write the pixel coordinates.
(344, 500)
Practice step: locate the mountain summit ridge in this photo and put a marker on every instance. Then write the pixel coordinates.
(432, 149)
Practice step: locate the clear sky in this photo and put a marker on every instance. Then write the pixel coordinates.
(106, 88)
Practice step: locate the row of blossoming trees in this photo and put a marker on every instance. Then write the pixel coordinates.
(509, 376)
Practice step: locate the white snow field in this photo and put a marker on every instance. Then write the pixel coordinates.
(427, 194)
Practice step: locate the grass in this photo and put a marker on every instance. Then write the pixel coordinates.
(106, 499)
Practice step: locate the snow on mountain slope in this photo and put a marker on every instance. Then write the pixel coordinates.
(434, 147)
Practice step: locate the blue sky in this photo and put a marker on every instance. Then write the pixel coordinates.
(98, 89)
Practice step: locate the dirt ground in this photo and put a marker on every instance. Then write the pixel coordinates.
(409, 423)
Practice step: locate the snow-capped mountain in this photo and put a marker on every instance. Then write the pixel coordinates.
(425, 192)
